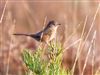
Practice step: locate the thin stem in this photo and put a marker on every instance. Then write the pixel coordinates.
(77, 56)
(3, 11)
(93, 58)
(42, 29)
(72, 34)
(72, 44)
(90, 48)
(85, 38)
(10, 32)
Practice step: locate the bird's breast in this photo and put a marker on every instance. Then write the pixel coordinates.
(49, 34)
(45, 38)
(53, 35)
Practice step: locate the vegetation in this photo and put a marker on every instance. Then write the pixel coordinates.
(39, 66)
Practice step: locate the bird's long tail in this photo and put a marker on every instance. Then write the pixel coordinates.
(22, 34)
(37, 37)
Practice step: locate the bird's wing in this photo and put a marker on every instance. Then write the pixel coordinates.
(39, 33)
(36, 36)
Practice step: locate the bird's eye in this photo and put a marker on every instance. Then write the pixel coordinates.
(53, 24)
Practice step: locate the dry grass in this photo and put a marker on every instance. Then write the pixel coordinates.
(79, 38)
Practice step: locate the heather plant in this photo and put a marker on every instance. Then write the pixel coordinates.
(38, 66)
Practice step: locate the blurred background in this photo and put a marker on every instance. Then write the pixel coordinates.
(79, 19)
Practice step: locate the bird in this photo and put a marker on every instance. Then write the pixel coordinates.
(45, 35)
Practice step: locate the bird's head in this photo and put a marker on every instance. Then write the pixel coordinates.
(53, 23)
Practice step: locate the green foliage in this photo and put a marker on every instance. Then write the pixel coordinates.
(38, 66)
